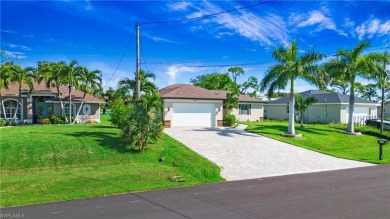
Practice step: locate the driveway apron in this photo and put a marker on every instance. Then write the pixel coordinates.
(243, 155)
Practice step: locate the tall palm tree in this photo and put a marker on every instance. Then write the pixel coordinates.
(302, 104)
(22, 76)
(50, 72)
(90, 81)
(348, 65)
(69, 73)
(382, 77)
(146, 84)
(290, 67)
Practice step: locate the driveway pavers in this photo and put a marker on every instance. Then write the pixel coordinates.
(243, 155)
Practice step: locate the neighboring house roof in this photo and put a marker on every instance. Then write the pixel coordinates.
(188, 91)
(40, 88)
(324, 97)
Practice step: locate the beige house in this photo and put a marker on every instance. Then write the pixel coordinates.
(41, 102)
(330, 107)
(189, 105)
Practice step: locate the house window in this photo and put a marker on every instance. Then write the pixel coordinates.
(245, 109)
(288, 109)
(66, 109)
(86, 109)
(10, 108)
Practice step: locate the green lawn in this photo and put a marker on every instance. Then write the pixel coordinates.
(47, 163)
(326, 139)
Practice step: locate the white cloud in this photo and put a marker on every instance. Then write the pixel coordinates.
(174, 70)
(15, 55)
(373, 27)
(179, 6)
(264, 29)
(314, 18)
(159, 39)
(14, 46)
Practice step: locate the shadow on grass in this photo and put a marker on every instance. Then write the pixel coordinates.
(106, 140)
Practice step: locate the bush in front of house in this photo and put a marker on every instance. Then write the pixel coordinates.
(229, 119)
(2, 122)
(55, 119)
(45, 121)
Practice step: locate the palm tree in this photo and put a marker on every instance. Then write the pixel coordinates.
(290, 67)
(301, 105)
(146, 84)
(50, 72)
(22, 76)
(90, 81)
(346, 67)
(381, 76)
(5, 81)
(69, 74)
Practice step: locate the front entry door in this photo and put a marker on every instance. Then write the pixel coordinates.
(43, 111)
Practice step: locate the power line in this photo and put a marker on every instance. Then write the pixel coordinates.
(372, 48)
(120, 60)
(208, 15)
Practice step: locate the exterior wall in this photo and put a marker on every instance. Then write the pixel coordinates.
(257, 112)
(168, 104)
(387, 110)
(344, 111)
(95, 112)
(322, 113)
(278, 112)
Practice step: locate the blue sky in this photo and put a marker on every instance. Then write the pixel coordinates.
(96, 34)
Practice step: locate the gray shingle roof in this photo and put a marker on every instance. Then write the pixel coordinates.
(324, 97)
(188, 91)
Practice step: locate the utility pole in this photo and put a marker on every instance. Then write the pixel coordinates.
(137, 62)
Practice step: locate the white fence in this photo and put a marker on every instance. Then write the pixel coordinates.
(361, 120)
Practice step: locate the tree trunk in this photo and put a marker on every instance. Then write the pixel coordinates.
(351, 109)
(382, 108)
(301, 118)
(81, 105)
(62, 105)
(70, 104)
(291, 114)
(17, 105)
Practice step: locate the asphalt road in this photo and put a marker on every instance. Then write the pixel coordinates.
(352, 193)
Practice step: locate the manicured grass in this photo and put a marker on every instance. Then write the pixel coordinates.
(47, 163)
(326, 139)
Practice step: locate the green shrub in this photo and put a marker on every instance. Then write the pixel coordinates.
(45, 121)
(229, 119)
(55, 119)
(120, 113)
(9, 123)
(142, 126)
(2, 122)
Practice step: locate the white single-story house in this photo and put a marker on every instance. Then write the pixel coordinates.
(330, 107)
(41, 102)
(189, 105)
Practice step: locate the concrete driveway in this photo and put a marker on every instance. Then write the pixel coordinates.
(243, 155)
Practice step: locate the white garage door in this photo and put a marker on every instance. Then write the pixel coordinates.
(359, 111)
(193, 114)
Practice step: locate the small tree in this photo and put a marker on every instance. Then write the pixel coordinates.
(236, 71)
(302, 104)
(144, 122)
